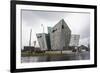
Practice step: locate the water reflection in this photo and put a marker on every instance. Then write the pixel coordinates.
(75, 56)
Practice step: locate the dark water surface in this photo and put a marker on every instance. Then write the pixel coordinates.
(76, 56)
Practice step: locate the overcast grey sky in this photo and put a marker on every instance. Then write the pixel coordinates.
(79, 23)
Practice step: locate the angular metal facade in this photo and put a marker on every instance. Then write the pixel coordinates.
(60, 36)
(74, 40)
(42, 40)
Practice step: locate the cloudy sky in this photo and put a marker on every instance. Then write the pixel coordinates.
(79, 23)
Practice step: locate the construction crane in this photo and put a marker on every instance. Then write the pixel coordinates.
(30, 37)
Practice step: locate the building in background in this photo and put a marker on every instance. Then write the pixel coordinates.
(74, 40)
(49, 30)
(60, 36)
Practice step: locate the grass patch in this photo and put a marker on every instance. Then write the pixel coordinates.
(51, 53)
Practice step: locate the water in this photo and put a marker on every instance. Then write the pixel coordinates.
(76, 56)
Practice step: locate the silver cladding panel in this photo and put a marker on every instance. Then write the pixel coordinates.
(60, 37)
(42, 41)
(74, 40)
